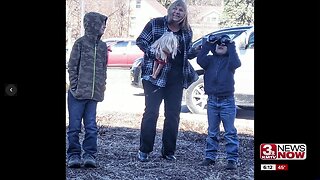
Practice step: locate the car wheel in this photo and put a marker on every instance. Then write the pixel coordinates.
(196, 99)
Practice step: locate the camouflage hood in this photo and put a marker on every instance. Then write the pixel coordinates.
(92, 23)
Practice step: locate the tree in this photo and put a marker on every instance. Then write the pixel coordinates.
(117, 25)
(204, 2)
(73, 21)
(165, 3)
(118, 22)
(118, 13)
(237, 12)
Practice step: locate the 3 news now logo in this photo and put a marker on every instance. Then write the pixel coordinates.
(283, 151)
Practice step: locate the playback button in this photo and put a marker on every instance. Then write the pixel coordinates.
(11, 90)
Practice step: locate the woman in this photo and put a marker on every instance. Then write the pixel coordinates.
(168, 85)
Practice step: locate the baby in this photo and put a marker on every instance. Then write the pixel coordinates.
(167, 44)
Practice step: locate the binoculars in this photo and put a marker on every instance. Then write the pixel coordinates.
(224, 39)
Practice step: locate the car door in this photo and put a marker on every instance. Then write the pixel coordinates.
(244, 75)
(133, 52)
(118, 54)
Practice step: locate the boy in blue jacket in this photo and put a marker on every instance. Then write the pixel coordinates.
(219, 82)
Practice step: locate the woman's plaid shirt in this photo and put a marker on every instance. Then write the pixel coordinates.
(153, 31)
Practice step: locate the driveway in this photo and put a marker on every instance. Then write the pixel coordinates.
(121, 97)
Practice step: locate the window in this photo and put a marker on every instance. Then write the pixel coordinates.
(121, 44)
(251, 41)
(133, 21)
(211, 19)
(231, 33)
(138, 3)
(251, 38)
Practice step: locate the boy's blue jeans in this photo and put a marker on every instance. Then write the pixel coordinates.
(222, 109)
(78, 110)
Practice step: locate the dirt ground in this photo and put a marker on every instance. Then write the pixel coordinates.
(118, 143)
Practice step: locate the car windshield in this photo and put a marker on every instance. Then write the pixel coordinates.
(232, 33)
(121, 44)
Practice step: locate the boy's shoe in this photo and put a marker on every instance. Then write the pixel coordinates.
(207, 162)
(231, 165)
(89, 161)
(143, 157)
(74, 161)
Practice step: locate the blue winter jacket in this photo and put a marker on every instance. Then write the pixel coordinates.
(219, 69)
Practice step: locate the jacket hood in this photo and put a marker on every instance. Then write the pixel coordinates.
(92, 23)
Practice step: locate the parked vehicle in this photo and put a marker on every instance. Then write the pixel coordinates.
(244, 77)
(135, 73)
(232, 32)
(122, 52)
(196, 99)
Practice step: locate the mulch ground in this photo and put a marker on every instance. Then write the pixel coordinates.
(118, 143)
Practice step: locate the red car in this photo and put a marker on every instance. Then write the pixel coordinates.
(122, 52)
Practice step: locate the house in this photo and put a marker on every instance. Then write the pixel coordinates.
(142, 11)
(127, 18)
(204, 19)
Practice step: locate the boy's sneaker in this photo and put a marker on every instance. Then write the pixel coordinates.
(207, 162)
(89, 161)
(231, 165)
(74, 161)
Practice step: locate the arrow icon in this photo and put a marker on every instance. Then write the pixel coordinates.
(11, 89)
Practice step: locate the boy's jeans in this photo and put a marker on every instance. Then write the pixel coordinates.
(79, 109)
(222, 109)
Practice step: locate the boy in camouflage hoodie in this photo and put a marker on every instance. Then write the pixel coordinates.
(87, 74)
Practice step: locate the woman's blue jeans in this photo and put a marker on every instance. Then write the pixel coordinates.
(78, 110)
(222, 109)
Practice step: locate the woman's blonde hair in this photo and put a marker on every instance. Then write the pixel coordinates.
(184, 24)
